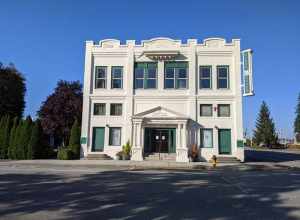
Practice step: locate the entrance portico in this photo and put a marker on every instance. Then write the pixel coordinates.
(167, 129)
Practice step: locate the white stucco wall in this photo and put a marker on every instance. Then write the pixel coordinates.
(212, 51)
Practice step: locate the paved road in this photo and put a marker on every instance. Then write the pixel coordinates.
(69, 193)
(272, 155)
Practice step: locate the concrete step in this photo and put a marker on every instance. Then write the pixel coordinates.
(227, 160)
(161, 156)
(98, 157)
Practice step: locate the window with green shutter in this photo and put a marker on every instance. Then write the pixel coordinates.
(145, 75)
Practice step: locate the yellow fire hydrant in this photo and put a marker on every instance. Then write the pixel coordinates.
(214, 161)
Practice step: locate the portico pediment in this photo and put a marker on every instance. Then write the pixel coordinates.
(159, 113)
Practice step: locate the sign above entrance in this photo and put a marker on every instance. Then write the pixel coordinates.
(161, 55)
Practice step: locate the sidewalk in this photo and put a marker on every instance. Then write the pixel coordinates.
(167, 165)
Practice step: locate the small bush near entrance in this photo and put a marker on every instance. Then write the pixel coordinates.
(126, 149)
(64, 153)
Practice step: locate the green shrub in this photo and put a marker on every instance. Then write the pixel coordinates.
(127, 148)
(74, 143)
(64, 154)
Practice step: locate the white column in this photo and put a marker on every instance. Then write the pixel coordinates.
(137, 151)
(182, 151)
(184, 145)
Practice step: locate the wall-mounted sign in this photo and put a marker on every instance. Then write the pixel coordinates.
(247, 72)
(240, 143)
(83, 140)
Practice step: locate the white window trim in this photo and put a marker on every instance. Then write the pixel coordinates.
(227, 78)
(210, 77)
(116, 78)
(98, 78)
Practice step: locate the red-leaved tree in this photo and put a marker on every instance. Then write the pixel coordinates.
(61, 109)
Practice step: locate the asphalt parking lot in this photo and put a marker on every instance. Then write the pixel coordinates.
(67, 193)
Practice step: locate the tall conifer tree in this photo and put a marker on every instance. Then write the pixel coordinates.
(265, 133)
(12, 146)
(74, 143)
(297, 121)
(35, 145)
(4, 137)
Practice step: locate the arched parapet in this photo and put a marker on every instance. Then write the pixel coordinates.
(160, 42)
(214, 42)
(109, 43)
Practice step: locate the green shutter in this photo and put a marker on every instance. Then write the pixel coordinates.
(98, 139)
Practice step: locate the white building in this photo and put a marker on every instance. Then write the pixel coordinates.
(165, 96)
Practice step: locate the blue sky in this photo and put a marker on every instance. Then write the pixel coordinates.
(45, 40)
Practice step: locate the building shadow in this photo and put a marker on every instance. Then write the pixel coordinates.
(149, 195)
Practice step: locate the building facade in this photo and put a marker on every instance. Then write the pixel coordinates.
(164, 96)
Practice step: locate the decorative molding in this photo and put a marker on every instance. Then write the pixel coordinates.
(161, 42)
(109, 43)
(214, 42)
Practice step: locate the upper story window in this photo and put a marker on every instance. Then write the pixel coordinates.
(223, 110)
(145, 75)
(223, 77)
(116, 77)
(99, 109)
(176, 75)
(115, 109)
(206, 110)
(205, 77)
(100, 77)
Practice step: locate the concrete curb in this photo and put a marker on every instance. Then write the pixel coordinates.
(149, 165)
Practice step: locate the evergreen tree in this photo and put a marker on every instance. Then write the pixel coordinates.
(35, 145)
(2, 122)
(16, 141)
(12, 148)
(265, 128)
(74, 143)
(4, 137)
(24, 138)
(297, 121)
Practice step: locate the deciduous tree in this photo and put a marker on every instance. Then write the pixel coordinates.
(12, 91)
(61, 109)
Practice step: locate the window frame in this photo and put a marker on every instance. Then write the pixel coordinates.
(110, 136)
(110, 111)
(116, 78)
(145, 74)
(227, 78)
(219, 105)
(100, 78)
(95, 108)
(202, 137)
(205, 78)
(176, 77)
(201, 115)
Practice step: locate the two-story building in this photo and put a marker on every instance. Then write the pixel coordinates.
(164, 96)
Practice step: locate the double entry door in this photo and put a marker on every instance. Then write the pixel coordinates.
(160, 140)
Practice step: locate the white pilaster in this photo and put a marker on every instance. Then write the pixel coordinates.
(137, 150)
